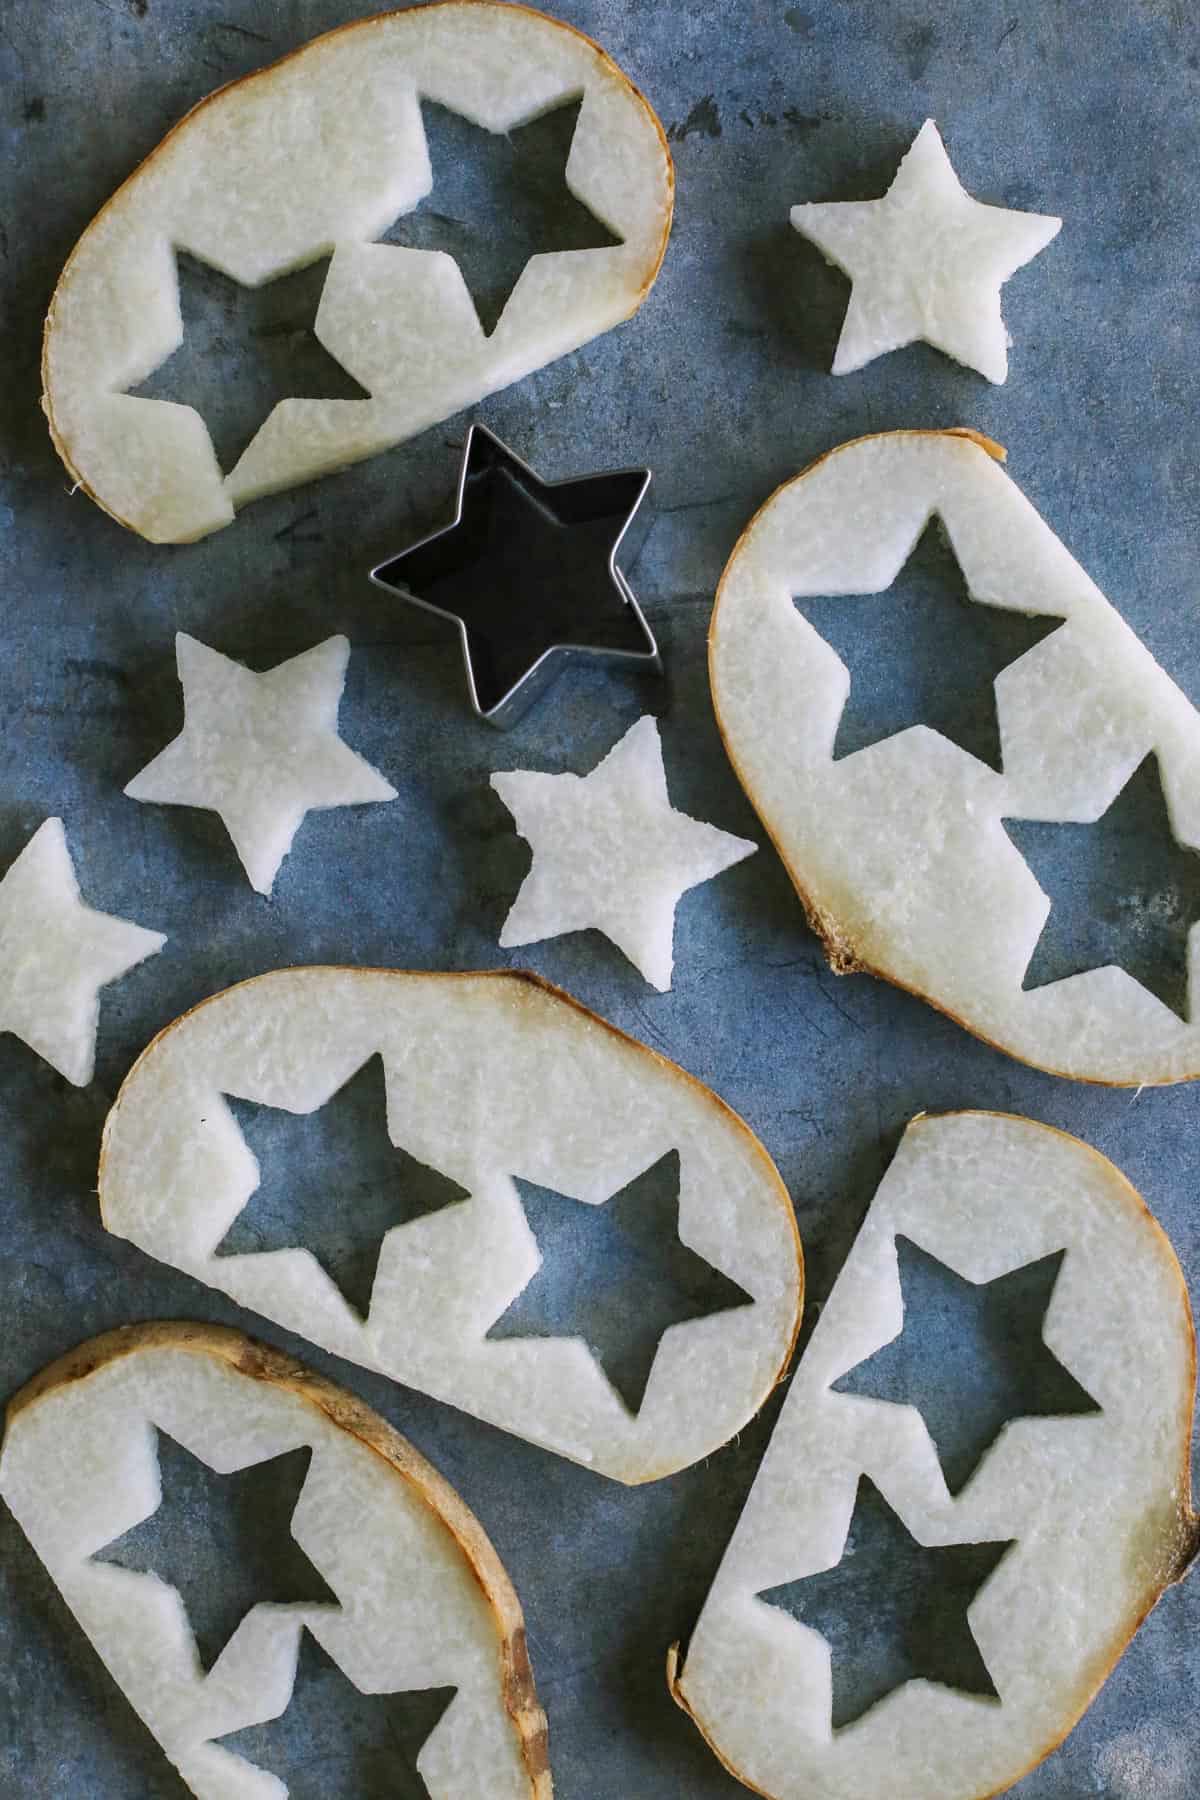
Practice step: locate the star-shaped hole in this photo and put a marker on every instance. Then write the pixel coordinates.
(1122, 890)
(616, 1275)
(499, 198)
(970, 1357)
(332, 1182)
(224, 1542)
(893, 1610)
(335, 1743)
(244, 349)
(927, 654)
(526, 567)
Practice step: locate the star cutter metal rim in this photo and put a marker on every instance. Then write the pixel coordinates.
(520, 695)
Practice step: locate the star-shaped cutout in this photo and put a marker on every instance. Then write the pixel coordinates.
(56, 953)
(926, 655)
(927, 262)
(244, 349)
(499, 198)
(893, 1610)
(610, 852)
(527, 571)
(260, 750)
(333, 1183)
(616, 1274)
(335, 1743)
(224, 1542)
(1122, 890)
(970, 1357)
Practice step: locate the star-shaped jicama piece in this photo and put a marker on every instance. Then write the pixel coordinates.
(927, 262)
(893, 1610)
(970, 1357)
(260, 750)
(333, 1182)
(56, 953)
(335, 1743)
(610, 852)
(617, 1274)
(224, 1542)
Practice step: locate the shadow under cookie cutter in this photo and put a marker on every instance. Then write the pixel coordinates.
(527, 570)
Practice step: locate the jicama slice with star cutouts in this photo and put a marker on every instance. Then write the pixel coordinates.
(475, 1186)
(326, 154)
(283, 1589)
(982, 785)
(977, 1488)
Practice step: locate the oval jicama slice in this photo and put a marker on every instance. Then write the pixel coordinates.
(320, 153)
(515, 1102)
(899, 849)
(1068, 1526)
(416, 1602)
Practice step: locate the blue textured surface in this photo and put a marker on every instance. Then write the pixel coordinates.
(720, 385)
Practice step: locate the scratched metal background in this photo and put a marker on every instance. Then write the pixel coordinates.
(720, 384)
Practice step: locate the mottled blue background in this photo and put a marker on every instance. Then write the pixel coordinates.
(720, 384)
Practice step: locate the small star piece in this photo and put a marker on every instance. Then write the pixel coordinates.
(970, 1357)
(335, 1743)
(526, 569)
(56, 953)
(611, 853)
(927, 263)
(224, 1542)
(260, 750)
(1122, 890)
(893, 1610)
(616, 1274)
(333, 1182)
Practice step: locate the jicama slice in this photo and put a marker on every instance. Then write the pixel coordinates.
(417, 1605)
(522, 1125)
(1067, 1527)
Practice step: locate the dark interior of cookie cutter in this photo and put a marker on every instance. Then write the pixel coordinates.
(499, 198)
(528, 568)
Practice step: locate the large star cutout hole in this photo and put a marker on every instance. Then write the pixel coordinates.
(924, 653)
(332, 1182)
(893, 1610)
(335, 1743)
(616, 1274)
(244, 349)
(970, 1357)
(224, 1542)
(499, 198)
(1122, 890)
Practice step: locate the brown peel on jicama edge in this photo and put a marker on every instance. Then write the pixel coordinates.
(324, 150)
(1096, 1504)
(492, 1080)
(898, 851)
(424, 1599)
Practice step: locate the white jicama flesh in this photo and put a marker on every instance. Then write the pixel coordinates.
(424, 1600)
(320, 153)
(899, 851)
(1098, 1504)
(491, 1080)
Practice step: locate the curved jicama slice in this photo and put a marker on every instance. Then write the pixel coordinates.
(499, 1088)
(1074, 1524)
(321, 152)
(423, 1602)
(899, 850)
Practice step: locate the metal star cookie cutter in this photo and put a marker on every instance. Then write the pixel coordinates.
(520, 562)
